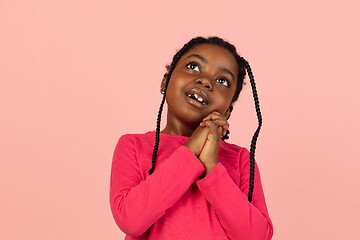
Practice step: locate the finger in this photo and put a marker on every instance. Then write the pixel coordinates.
(222, 123)
(214, 128)
(214, 115)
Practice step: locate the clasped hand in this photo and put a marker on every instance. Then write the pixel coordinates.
(205, 140)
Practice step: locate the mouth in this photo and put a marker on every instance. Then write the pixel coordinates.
(198, 95)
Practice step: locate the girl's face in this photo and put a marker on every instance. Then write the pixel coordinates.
(210, 69)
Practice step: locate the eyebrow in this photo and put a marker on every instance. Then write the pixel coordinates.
(205, 61)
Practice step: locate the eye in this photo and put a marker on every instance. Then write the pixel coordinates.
(193, 66)
(224, 81)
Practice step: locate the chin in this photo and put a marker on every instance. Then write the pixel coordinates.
(192, 120)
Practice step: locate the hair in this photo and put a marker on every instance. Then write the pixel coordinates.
(242, 64)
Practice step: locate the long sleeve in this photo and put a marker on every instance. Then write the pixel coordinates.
(136, 203)
(239, 218)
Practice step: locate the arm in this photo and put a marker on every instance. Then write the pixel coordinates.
(239, 218)
(135, 203)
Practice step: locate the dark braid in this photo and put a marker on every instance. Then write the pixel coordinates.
(242, 64)
(253, 141)
(156, 147)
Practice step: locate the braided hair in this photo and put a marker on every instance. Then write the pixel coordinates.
(242, 64)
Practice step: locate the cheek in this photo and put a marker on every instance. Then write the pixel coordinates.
(174, 89)
(220, 100)
(176, 83)
(223, 101)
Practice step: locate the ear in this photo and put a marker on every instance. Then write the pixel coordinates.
(229, 110)
(163, 82)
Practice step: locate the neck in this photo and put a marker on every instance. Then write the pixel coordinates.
(176, 126)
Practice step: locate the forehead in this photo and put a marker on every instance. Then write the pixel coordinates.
(214, 54)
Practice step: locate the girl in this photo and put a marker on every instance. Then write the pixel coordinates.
(198, 185)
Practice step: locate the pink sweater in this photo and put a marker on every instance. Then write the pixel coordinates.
(174, 203)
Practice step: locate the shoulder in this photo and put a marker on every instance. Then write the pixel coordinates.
(233, 149)
(136, 140)
(237, 153)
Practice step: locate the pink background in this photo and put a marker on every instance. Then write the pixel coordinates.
(76, 75)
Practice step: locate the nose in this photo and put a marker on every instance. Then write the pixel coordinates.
(205, 82)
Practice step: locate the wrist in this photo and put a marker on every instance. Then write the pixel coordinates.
(189, 149)
(209, 168)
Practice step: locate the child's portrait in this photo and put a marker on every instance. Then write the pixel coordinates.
(179, 120)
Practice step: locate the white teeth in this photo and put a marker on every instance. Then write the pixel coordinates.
(200, 99)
